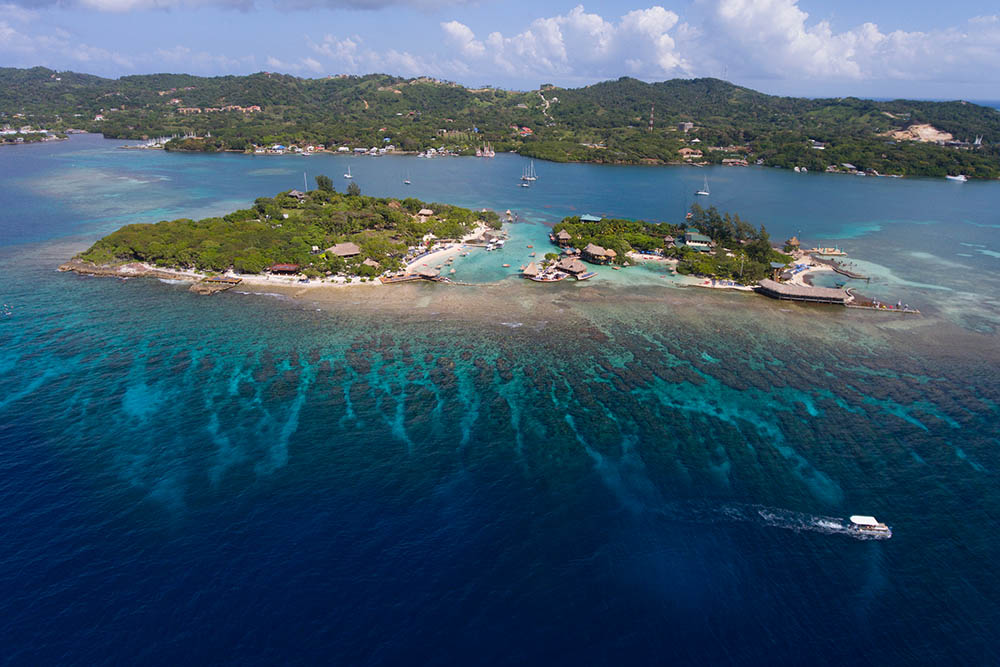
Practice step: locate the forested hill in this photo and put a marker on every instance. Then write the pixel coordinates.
(604, 122)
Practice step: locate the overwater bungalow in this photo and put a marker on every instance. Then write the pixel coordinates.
(530, 271)
(562, 238)
(598, 255)
(571, 265)
(790, 292)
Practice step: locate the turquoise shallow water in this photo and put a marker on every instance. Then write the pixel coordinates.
(612, 471)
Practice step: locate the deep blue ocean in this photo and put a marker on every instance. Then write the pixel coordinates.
(624, 471)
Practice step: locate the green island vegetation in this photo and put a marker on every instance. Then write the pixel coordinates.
(29, 137)
(712, 121)
(738, 252)
(293, 228)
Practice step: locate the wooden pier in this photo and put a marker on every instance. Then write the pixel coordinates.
(840, 269)
(215, 284)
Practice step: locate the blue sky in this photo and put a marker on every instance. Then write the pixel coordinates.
(797, 47)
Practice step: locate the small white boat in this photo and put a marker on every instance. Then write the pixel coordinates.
(869, 525)
(704, 192)
(961, 178)
(348, 174)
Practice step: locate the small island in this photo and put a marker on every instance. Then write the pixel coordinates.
(709, 244)
(321, 236)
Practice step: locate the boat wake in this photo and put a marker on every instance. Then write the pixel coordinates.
(801, 522)
(776, 517)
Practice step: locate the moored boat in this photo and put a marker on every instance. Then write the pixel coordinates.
(869, 525)
(961, 178)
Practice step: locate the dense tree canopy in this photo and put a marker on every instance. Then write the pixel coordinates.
(294, 230)
(605, 122)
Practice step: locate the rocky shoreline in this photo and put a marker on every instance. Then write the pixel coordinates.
(201, 285)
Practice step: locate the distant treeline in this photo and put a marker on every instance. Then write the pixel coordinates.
(605, 122)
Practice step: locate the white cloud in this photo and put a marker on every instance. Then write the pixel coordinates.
(120, 6)
(579, 44)
(463, 38)
(55, 44)
(775, 38)
(742, 39)
(351, 56)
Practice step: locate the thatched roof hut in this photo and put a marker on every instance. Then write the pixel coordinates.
(596, 253)
(571, 265)
(803, 293)
(370, 262)
(344, 249)
(530, 270)
(428, 272)
(794, 241)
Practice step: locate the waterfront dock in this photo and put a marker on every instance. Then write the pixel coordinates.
(791, 292)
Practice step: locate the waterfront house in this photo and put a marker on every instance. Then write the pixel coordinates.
(530, 271)
(571, 265)
(586, 217)
(344, 250)
(690, 153)
(284, 268)
(791, 292)
(295, 194)
(563, 238)
(696, 241)
(598, 255)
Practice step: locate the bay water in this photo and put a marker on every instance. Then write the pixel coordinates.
(622, 471)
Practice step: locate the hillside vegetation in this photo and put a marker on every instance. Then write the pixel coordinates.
(605, 122)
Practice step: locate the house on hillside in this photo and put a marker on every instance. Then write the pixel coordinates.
(424, 213)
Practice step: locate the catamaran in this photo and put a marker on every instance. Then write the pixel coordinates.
(704, 192)
(348, 174)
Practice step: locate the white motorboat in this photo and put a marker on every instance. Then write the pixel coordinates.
(869, 525)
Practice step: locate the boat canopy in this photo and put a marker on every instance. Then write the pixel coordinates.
(864, 520)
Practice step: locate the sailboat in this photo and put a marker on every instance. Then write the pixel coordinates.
(529, 173)
(524, 179)
(406, 179)
(704, 192)
(348, 174)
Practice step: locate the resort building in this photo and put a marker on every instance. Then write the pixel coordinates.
(423, 214)
(295, 194)
(598, 255)
(344, 250)
(791, 292)
(586, 217)
(530, 271)
(284, 268)
(571, 265)
(697, 241)
(563, 238)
